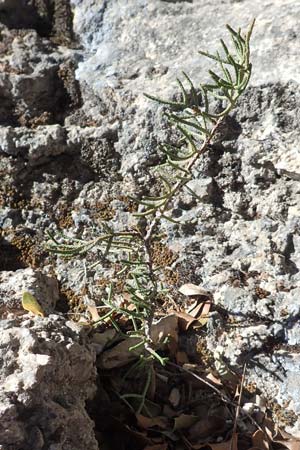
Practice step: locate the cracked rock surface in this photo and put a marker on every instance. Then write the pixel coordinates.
(77, 136)
(47, 374)
(12, 284)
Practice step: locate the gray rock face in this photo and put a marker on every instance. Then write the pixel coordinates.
(77, 135)
(13, 284)
(47, 375)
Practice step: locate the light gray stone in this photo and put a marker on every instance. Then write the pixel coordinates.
(13, 284)
(48, 372)
(70, 146)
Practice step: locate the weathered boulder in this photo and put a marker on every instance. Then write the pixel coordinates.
(13, 284)
(47, 374)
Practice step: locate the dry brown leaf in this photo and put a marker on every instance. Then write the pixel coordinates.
(125, 299)
(210, 377)
(192, 289)
(120, 355)
(184, 320)
(92, 309)
(174, 397)
(165, 327)
(260, 440)
(204, 316)
(191, 305)
(281, 434)
(184, 421)
(206, 309)
(196, 310)
(206, 428)
(150, 422)
(197, 319)
(268, 427)
(197, 379)
(199, 309)
(102, 339)
(292, 444)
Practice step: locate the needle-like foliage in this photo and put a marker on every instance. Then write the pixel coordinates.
(197, 121)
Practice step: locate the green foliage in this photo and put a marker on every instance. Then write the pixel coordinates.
(197, 120)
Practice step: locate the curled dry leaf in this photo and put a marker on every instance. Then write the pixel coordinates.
(167, 327)
(184, 320)
(292, 444)
(197, 310)
(192, 289)
(198, 317)
(120, 355)
(260, 440)
(92, 309)
(102, 339)
(282, 434)
(210, 377)
(202, 314)
(191, 305)
(268, 427)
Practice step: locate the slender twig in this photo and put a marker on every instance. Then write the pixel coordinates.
(238, 408)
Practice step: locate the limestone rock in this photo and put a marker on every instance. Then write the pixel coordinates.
(77, 135)
(13, 284)
(48, 373)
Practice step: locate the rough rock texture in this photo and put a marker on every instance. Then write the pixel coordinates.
(47, 374)
(77, 135)
(12, 284)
